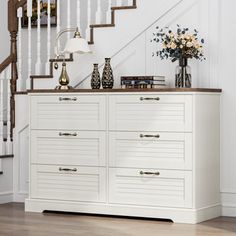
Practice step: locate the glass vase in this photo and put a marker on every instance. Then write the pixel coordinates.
(95, 79)
(183, 77)
(107, 75)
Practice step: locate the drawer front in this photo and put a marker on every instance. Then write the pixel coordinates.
(150, 150)
(168, 189)
(59, 183)
(68, 147)
(68, 112)
(150, 112)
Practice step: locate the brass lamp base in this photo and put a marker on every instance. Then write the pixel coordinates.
(64, 79)
(64, 87)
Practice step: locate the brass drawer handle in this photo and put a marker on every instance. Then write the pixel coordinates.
(67, 99)
(149, 99)
(68, 134)
(149, 136)
(67, 169)
(149, 173)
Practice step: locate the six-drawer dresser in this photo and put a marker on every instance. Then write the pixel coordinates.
(142, 153)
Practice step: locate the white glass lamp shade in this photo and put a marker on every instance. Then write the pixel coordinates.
(77, 45)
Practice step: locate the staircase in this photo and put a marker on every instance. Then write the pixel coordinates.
(110, 16)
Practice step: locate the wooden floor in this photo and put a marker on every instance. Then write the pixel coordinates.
(15, 222)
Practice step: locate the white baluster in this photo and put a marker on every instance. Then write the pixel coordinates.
(78, 14)
(29, 15)
(99, 13)
(9, 148)
(58, 20)
(119, 3)
(38, 65)
(88, 21)
(68, 18)
(2, 151)
(108, 13)
(130, 2)
(20, 85)
(48, 38)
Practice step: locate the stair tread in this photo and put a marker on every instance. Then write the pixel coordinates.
(123, 8)
(41, 76)
(6, 156)
(101, 25)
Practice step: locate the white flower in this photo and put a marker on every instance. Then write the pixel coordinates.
(181, 46)
(173, 46)
(189, 44)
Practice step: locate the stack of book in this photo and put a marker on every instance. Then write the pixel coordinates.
(141, 82)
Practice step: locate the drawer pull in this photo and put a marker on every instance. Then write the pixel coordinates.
(149, 136)
(149, 99)
(67, 169)
(68, 134)
(67, 99)
(149, 173)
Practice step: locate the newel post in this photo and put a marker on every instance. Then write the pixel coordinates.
(13, 5)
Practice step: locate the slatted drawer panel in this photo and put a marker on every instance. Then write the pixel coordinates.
(170, 188)
(150, 112)
(79, 184)
(68, 147)
(68, 112)
(150, 150)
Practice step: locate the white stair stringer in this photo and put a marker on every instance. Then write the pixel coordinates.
(129, 24)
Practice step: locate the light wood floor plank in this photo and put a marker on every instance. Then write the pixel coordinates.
(15, 222)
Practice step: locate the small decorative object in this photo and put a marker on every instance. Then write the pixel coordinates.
(74, 45)
(180, 45)
(107, 75)
(95, 80)
(43, 13)
(142, 82)
(64, 79)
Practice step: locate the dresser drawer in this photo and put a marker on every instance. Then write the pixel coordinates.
(68, 111)
(73, 183)
(68, 147)
(168, 189)
(150, 150)
(148, 112)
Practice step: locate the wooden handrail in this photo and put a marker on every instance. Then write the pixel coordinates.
(5, 63)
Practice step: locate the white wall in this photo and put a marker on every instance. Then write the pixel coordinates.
(6, 180)
(227, 75)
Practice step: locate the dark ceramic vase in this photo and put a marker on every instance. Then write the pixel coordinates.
(107, 75)
(95, 79)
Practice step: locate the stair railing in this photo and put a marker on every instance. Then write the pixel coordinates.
(8, 82)
(37, 46)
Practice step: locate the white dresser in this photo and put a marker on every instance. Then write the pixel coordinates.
(148, 154)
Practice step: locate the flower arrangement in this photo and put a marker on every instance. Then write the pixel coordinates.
(179, 44)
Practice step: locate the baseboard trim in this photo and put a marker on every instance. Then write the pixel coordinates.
(229, 211)
(20, 196)
(228, 204)
(6, 197)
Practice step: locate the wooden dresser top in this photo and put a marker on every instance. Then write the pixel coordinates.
(207, 90)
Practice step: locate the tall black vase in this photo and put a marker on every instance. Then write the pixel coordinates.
(183, 77)
(95, 79)
(107, 75)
